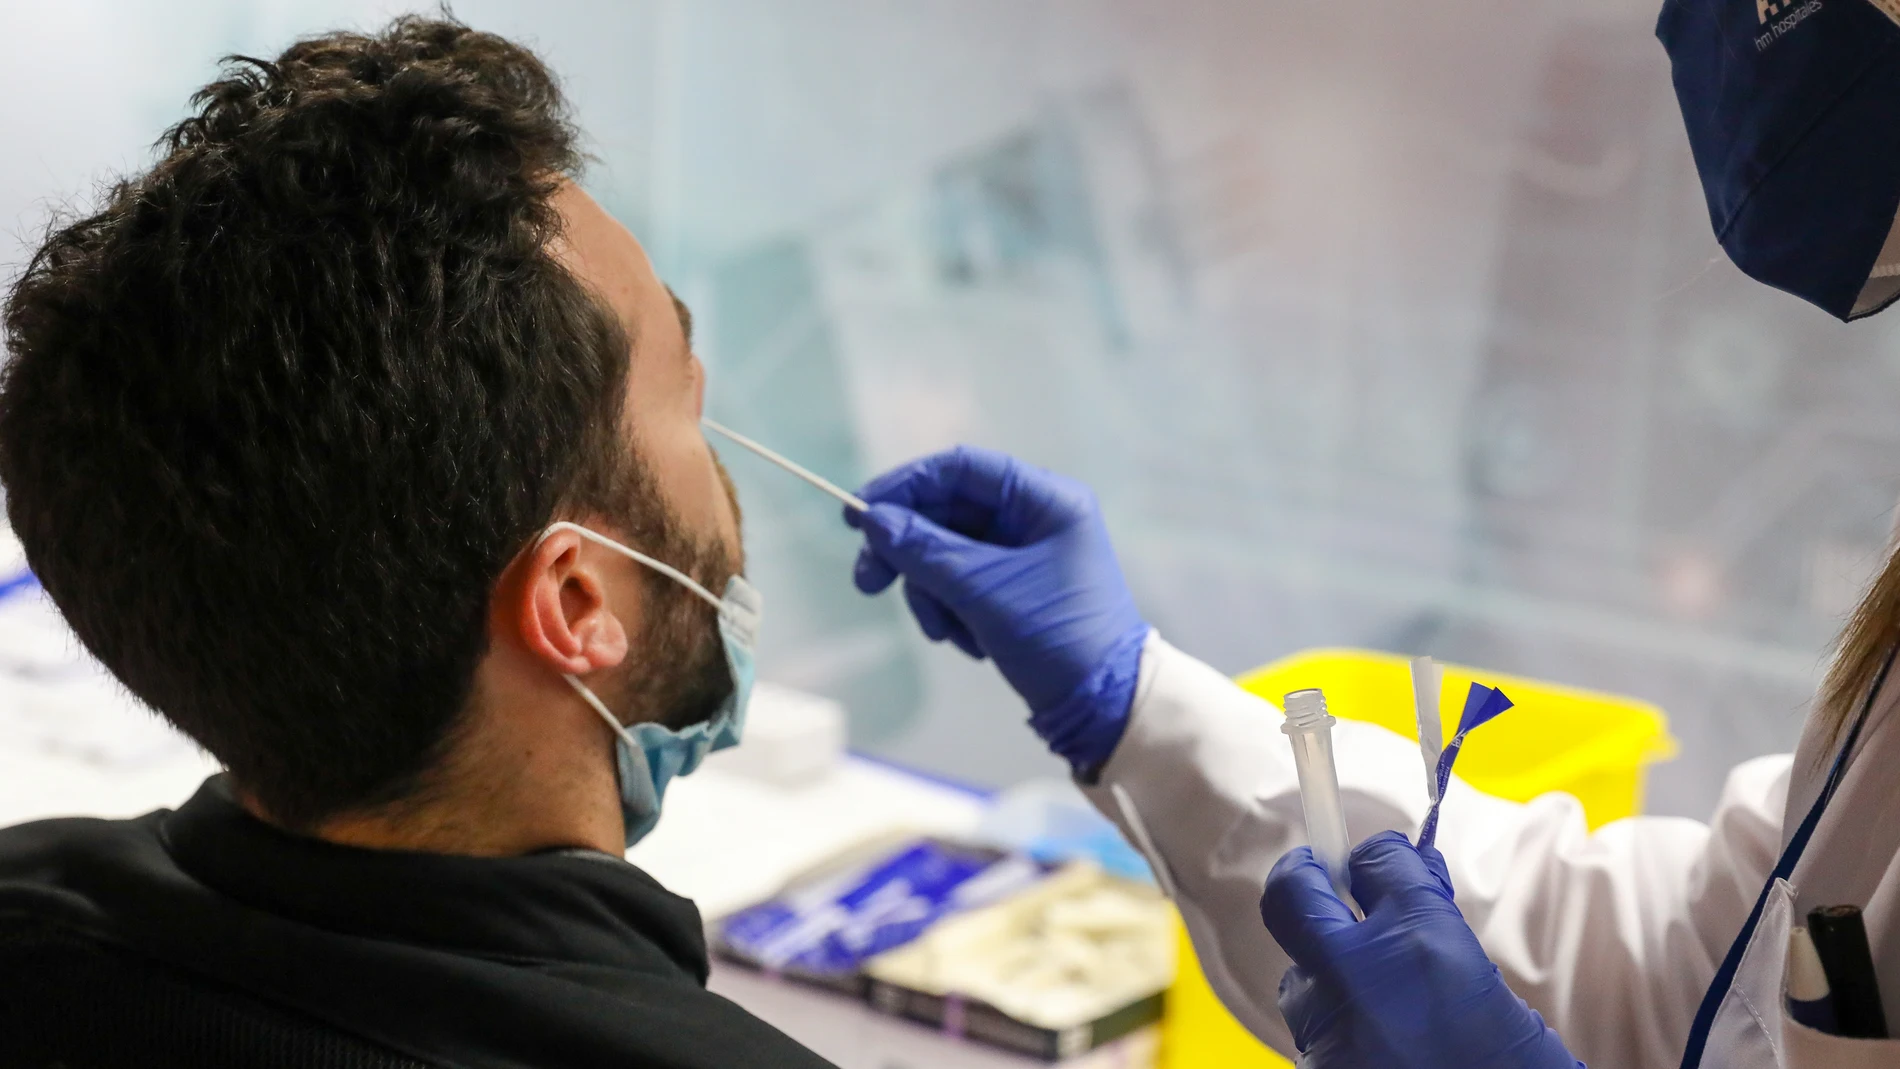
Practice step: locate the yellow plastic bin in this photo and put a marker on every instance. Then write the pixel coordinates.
(1595, 746)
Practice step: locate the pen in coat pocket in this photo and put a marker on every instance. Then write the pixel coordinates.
(1840, 939)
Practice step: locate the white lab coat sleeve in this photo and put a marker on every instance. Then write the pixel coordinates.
(1612, 936)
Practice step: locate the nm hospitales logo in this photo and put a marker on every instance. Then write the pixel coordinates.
(1779, 17)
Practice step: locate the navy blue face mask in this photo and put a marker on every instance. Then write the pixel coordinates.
(1793, 112)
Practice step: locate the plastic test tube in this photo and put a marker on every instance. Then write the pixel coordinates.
(1310, 729)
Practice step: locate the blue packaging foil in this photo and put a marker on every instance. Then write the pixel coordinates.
(830, 926)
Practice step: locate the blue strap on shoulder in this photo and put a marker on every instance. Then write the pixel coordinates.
(1482, 705)
(1725, 976)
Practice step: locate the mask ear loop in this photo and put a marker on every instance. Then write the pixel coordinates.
(595, 703)
(662, 567)
(587, 695)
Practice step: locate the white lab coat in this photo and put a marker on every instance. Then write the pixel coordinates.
(1613, 936)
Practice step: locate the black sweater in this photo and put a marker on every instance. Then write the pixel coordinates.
(567, 958)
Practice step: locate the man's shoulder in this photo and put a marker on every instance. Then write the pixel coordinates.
(69, 875)
(70, 869)
(25, 848)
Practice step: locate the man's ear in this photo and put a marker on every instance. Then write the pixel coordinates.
(559, 606)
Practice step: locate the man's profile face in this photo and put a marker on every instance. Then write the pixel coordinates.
(676, 672)
(666, 384)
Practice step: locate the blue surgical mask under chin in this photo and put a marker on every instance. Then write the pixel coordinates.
(647, 755)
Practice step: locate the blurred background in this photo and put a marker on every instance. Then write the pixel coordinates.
(1373, 324)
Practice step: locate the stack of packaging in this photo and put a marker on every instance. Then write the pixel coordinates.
(1049, 960)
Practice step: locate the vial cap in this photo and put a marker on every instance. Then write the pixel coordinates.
(1306, 710)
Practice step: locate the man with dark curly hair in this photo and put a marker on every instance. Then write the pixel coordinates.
(324, 434)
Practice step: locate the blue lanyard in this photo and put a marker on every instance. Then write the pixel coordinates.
(1725, 976)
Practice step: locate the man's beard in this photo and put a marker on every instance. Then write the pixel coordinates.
(675, 673)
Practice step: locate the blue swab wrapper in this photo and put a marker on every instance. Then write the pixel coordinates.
(1482, 705)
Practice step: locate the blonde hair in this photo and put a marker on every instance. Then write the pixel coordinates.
(1865, 644)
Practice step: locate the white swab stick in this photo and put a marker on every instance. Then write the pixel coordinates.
(1427, 677)
(799, 470)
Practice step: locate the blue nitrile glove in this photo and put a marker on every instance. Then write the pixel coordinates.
(1013, 563)
(1407, 988)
